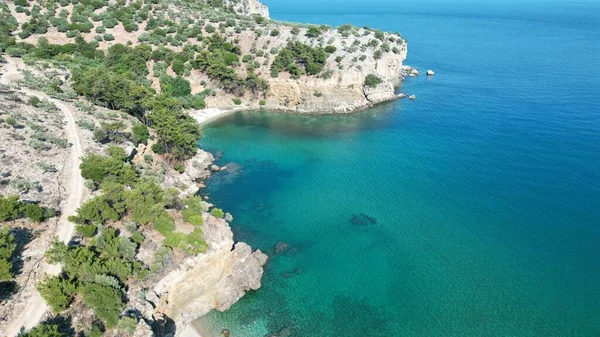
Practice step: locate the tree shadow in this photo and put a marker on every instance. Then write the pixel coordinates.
(163, 325)
(23, 236)
(65, 325)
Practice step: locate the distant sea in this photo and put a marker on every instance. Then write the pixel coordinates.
(472, 211)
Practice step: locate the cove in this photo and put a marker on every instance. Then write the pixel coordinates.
(471, 211)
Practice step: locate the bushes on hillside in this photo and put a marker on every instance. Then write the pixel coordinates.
(108, 169)
(177, 131)
(298, 59)
(43, 330)
(372, 81)
(106, 301)
(11, 208)
(175, 86)
(113, 90)
(57, 292)
(140, 134)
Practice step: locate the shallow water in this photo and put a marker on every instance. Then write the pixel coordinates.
(472, 211)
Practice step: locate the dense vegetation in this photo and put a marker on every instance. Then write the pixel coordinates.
(99, 269)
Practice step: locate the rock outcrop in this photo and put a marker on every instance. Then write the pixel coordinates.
(214, 280)
(248, 7)
(196, 169)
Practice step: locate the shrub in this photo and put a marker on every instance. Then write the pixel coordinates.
(217, 212)
(140, 134)
(237, 101)
(106, 302)
(372, 81)
(11, 121)
(127, 325)
(137, 237)
(178, 67)
(313, 31)
(297, 55)
(158, 148)
(34, 101)
(11, 208)
(146, 202)
(377, 54)
(164, 224)
(175, 86)
(100, 168)
(193, 210)
(57, 292)
(179, 168)
(108, 37)
(330, 49)
(43, 330)
(262, 102)
(7, 247)
(87, 231)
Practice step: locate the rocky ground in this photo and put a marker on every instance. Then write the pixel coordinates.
(37, 163)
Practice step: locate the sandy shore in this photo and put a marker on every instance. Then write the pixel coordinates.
(208, 115)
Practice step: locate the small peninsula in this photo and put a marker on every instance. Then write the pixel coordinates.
(105, 230)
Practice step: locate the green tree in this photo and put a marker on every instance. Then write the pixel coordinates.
(7, 247)
(178, 132)
(140, 134)
(372, 81)
(43, 330)
(106, 301)
(175, 86)
(57, 292)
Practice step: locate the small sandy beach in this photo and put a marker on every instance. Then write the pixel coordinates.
(208, 115)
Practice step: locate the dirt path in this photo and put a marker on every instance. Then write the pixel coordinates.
(74, 193)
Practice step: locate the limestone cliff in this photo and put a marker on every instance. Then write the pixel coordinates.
(214, 280)
(340, 88)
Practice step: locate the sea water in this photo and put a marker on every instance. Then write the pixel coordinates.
(472, 211)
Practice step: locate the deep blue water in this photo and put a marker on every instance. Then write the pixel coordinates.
(472, 211)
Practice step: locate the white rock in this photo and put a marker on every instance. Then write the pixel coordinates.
(412, 97)
(430, 72)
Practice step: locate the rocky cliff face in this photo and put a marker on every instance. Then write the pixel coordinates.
(344, 92)
(215, 280)
(340, 88)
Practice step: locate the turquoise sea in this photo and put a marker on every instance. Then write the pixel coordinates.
(472, 211)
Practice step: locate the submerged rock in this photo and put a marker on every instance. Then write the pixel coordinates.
(363, 219)
(281, 247)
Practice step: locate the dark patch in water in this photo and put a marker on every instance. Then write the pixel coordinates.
(363, 219)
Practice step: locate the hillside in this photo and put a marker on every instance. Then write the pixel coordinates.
(260, 63)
